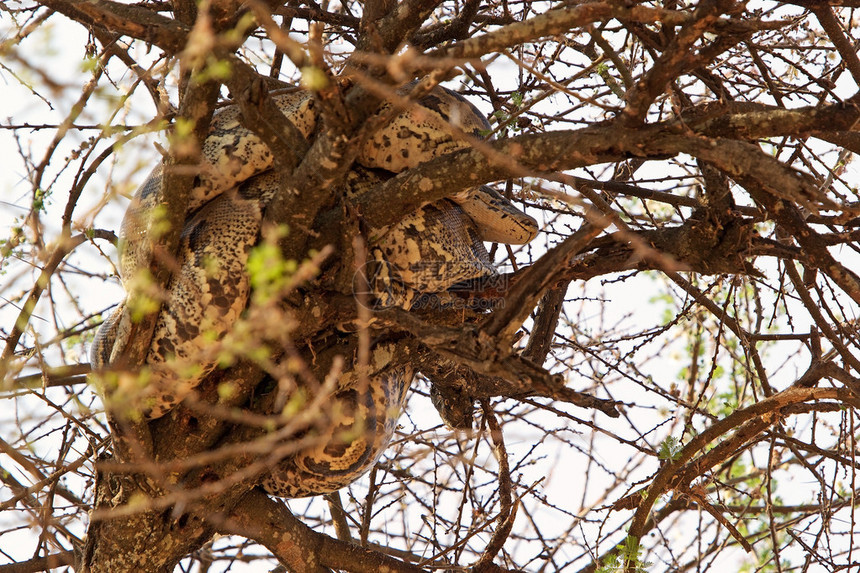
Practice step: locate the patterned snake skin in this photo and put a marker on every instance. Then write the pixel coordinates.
(430, 250)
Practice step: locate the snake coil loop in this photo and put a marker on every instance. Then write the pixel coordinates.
(431, 249)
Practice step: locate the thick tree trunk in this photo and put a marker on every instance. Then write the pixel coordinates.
(149, 541)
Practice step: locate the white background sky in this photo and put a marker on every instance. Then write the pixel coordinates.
(62, 48)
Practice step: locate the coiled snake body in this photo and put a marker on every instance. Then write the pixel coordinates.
(431, 249)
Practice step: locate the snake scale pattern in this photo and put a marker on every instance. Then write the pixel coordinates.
(430, 250)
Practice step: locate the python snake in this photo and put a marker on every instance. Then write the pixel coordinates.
(431, 249)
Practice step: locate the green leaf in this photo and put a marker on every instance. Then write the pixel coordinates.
(670, 449)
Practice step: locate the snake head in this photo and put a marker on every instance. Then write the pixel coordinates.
(455, 408)
(497, 219)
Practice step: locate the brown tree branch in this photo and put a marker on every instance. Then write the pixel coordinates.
(750, 121)
(815, 312)
(126, 19)
(36, 564)
(843, 45)
(748, 422)
(678, 57)
(58, 254)
(562, 150)
(270, 523)
(788, 216)
(557, 22)
(507, 504)
(393, 25)
(520, 300)
(545, 323)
